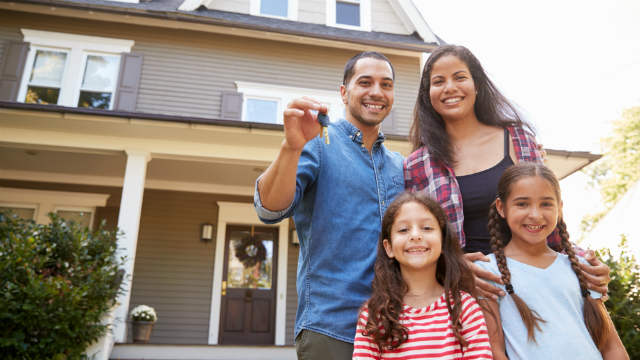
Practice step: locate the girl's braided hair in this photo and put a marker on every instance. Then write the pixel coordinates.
(593, 311)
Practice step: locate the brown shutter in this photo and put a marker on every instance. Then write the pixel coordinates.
(128, 82)
(231, 108)
(388, 125)
(11, 69)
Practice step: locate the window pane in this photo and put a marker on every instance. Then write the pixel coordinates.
(100, 72)
(48, 67)
(264, 111)
(94, 100)
(42, 95)
(24, 213)
(250, 262)
(83, 218)
(347, 13)
(274, 7)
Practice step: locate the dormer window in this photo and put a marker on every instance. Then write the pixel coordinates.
(349, 14)
(286, 9)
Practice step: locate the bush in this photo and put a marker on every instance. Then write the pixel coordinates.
(624, 296)
(57, 283)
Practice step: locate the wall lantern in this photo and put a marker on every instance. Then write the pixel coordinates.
(206, 232)
(294, 237)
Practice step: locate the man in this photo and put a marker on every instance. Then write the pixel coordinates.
(337, 194)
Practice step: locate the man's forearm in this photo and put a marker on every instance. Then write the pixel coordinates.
(277, 185)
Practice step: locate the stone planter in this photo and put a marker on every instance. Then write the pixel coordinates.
(141, 331)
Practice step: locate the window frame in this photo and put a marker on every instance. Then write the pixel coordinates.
(365, 14)
(89, 209)
(287, 93)
(292, 10)
(33, 206)
(77, 47)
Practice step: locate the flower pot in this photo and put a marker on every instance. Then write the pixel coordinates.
(142, 331)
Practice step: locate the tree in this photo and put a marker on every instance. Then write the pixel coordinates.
(57, 282)
(624, 296)
(619, 168)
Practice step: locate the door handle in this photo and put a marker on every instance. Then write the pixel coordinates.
(224, 288)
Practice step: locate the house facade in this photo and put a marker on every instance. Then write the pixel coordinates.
(157, 117)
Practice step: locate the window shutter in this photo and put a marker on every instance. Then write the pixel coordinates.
(231, 108)
(388, 125)
(128, 82)
(11, 69)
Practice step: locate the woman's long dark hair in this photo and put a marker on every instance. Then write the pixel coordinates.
(491, 107)
(593, 313)
(389, 288)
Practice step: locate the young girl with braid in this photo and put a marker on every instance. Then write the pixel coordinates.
(421, 307)
(548, 312)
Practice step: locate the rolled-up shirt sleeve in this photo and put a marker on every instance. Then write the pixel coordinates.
(268, 216)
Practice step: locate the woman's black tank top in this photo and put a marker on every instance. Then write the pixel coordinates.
(478, 192)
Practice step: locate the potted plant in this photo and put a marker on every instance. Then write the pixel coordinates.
(142, 318)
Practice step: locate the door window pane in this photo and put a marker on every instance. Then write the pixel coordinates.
(82, 218)
(274, 7)
(264, 111)
(250, 260)
(347, 13)
(24, 213)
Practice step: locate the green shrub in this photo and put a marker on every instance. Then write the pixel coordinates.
(57, 283)
(624, 296)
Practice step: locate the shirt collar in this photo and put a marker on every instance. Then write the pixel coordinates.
(354, 133)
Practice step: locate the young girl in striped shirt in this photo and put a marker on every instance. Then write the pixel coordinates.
(421, 307)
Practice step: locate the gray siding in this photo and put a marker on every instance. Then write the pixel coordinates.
(312, 11)
(385, 19)
(292, 295)
(185, 72)
(238, 6)
(174, 269)
(8, 34)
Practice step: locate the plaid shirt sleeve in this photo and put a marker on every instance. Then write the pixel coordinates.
(422, 173)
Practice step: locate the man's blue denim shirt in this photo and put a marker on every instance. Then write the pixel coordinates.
(342, 191)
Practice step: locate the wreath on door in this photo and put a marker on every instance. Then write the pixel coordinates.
(250, 251)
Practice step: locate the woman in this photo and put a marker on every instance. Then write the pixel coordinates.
(465, 133)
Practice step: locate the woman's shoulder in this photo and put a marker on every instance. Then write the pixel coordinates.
(418, 155)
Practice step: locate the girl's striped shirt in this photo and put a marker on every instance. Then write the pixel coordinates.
(431, 334)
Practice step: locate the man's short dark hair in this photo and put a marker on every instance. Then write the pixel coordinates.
(348, 67)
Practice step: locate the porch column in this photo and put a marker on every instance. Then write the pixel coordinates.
(129, 224)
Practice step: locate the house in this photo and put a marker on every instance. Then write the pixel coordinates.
(157, 116)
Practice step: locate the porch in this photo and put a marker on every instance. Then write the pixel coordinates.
(196, 352)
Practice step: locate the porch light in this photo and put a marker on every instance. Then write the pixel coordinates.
(294, 237)
(206, 232)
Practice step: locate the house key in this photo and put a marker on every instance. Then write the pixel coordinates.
(323, 119)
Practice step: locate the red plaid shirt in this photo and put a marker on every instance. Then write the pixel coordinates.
(422, 173)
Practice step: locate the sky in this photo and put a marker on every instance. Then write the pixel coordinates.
(572, 67)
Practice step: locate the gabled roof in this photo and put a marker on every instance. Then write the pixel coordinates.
(422, 40)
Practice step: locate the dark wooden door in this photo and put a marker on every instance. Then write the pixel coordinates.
(248, 285)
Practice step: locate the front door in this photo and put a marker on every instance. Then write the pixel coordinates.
(248, 285)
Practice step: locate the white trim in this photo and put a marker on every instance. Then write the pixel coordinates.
(77, 47)
(116, 181)
(286, 94)
(244, 213)
(47, 201)
(365, 14)
(292, 10)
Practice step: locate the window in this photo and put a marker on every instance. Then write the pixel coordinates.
(71, 70)
(287, 9)
(265, 103)
(27, 212)
(349, 14)
(81, 216)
